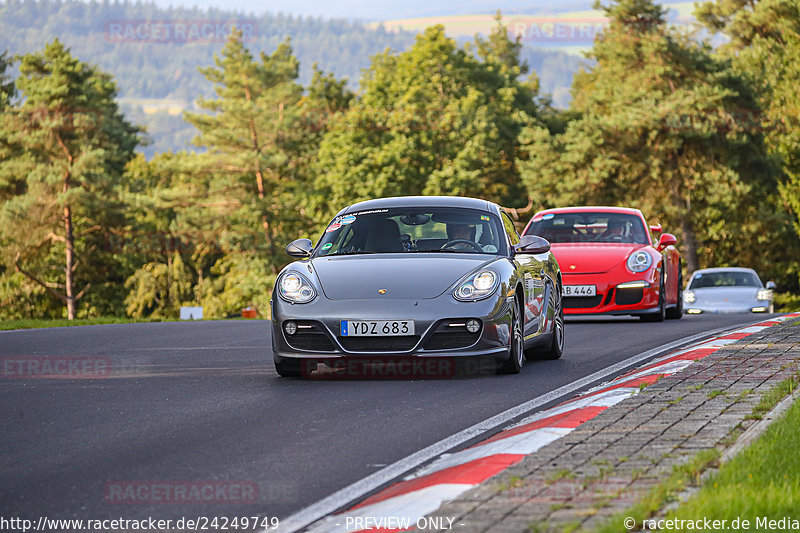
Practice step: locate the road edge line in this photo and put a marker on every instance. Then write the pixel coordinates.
(342, 497)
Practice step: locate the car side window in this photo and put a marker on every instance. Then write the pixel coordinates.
(511, 230)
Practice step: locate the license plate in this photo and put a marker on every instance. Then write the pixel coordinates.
(580, 290)
(376, 328)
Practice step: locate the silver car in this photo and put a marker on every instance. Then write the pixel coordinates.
(727, 290)
(417, 279)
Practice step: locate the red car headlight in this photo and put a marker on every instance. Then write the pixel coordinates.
(639, 261)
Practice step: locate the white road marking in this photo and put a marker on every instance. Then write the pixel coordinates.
(339, 499)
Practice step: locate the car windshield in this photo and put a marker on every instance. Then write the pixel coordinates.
(728, 278)
(589, 227)
(413, 230)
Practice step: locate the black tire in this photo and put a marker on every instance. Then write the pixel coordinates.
(288, 368)
(516, 355)
(675, 313)
(555, 349)
(662, 308)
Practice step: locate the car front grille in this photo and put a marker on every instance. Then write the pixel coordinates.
(310, 336)
(452, 334)
(450, 340)
(629, 296)
(582, 302)
(379, 344)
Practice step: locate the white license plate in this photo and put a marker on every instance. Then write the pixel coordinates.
(580, 290)
(376, 328)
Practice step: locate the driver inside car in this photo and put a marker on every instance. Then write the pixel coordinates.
(615, 230)
(467, 232)
(464, 232)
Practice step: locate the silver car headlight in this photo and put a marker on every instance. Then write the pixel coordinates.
(295, 288)
(689, 297)
(639, 261)
(477, 287)
(764, 294)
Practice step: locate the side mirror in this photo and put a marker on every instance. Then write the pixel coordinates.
(532, 244)
(656, 228)
(771, 285)
(300, 248)
(667, 239)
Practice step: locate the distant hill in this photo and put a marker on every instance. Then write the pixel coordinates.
(388, 10)
(156, 70)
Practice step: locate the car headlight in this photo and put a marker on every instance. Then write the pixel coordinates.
(764, 294)
(295, 288)
(477, 287)
(639, 261)
(689, 297)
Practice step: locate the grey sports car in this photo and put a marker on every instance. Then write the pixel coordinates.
(727, 290)
(417, 278)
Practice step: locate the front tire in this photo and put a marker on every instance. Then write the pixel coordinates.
(556, 347)
(516, 355)
(675, 313)
(662, 308)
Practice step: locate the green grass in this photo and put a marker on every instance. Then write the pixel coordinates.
(787, 302)
(561, 474)
(772, 397)
(6, 325)
(762, 481)
(682, 475)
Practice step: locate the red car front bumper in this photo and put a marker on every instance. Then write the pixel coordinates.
(610, 298)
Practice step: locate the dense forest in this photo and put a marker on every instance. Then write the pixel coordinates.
(167, 69)
(705, 141)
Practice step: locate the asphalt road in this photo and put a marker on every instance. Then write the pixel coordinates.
(188, 406)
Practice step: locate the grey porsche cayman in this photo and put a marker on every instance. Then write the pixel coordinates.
(418, 278)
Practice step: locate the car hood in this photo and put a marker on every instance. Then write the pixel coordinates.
(723, 296)
(408, 276)
(591, 258)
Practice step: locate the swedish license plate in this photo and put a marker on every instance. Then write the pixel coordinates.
(376, 328)
(580, 290)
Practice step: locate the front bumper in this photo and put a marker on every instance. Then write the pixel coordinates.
(611, 299)
(438, 323)
(755, 307)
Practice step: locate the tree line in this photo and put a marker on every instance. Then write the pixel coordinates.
(703, 140)
(148, 68)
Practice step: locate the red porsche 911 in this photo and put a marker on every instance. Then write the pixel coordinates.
(610, 263)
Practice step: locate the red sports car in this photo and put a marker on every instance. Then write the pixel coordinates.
(610, 264)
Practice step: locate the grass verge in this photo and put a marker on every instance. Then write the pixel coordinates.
(6, 325)
(664, 492)
(787, 302)
(760, 484)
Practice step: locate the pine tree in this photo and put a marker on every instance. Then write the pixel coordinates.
(434, 119)
(254, 125)
(765, 46)
(72, 145)
(664, 126)
(7, 89)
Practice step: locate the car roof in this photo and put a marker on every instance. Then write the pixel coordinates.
(723, 269)
(422, 201)
(591, 209)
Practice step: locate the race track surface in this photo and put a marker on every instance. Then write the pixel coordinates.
(188, 406)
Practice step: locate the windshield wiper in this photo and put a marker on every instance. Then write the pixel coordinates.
(470, 251)
(352, 252)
